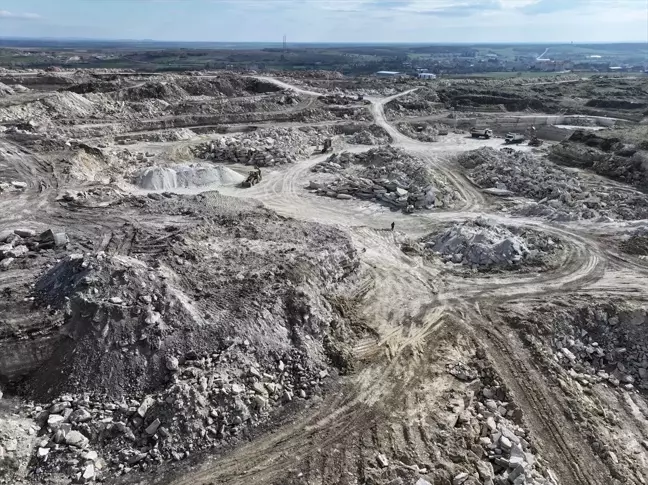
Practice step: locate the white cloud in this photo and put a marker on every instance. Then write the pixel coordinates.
(18, 16)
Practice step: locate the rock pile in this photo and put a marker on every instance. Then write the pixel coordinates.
(561, 194)
(608, 156)
(637, 243)
(264, 148)
(361, 134)
(205, 405)
(422, 102)
(216, 347)
(20, 243)
(489, 423)
(5, 90)
(386, 175)
(603, 343)
(341, 99)
(422, 131)
(484, 244)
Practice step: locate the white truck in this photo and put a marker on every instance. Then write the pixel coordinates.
(514, 138)
(481, 133)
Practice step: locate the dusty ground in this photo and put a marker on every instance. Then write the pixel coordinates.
(271, 335)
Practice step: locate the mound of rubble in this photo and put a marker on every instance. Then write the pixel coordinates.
(19, 244)
(637, 243)
(421, 102)
(428, 132)
(362, 134)
(498, 448)
(226, 86)
(186, 176)
(386, 175)
(601, 342)
(608, 156)
(598, 351)
(561, 193)
(263, 148)
(163, 90)
(207, 328)
(483, 244)
(5, 90)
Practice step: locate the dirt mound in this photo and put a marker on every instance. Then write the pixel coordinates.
(422, 102)
(605, 155)
(263, 148)
(484, 244)
(226, 86)
(363, 134)
(186, 176)
(83, 165)
(428, 132)
(213, 325)
(96, 86)
(161, 90)
(5, 90)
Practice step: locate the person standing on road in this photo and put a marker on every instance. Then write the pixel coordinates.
(393, 225)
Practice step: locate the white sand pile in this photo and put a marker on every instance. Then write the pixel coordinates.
(186, 176)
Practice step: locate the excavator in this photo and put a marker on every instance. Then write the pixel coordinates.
(534, 140)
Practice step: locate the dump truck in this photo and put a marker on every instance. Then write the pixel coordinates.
(514, 138)
(481, 133)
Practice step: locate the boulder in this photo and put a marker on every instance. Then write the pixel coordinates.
(74, 438)
(25, 233)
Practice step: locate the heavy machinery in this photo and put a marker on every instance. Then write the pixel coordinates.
(481, 133)
(328, 145)
(535, 142)
(254, 177)
(514, 138)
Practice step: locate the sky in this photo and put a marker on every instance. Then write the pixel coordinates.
(424, 21)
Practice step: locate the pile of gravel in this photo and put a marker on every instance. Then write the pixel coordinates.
(186, 176)
(484, 244)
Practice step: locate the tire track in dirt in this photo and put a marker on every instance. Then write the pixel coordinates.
(558, 439)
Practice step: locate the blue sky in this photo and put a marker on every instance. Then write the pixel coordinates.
(329, 20)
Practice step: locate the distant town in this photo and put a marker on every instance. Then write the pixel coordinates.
(424, 61)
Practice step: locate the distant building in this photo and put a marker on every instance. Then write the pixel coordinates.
(427, 75)
(389, 74)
